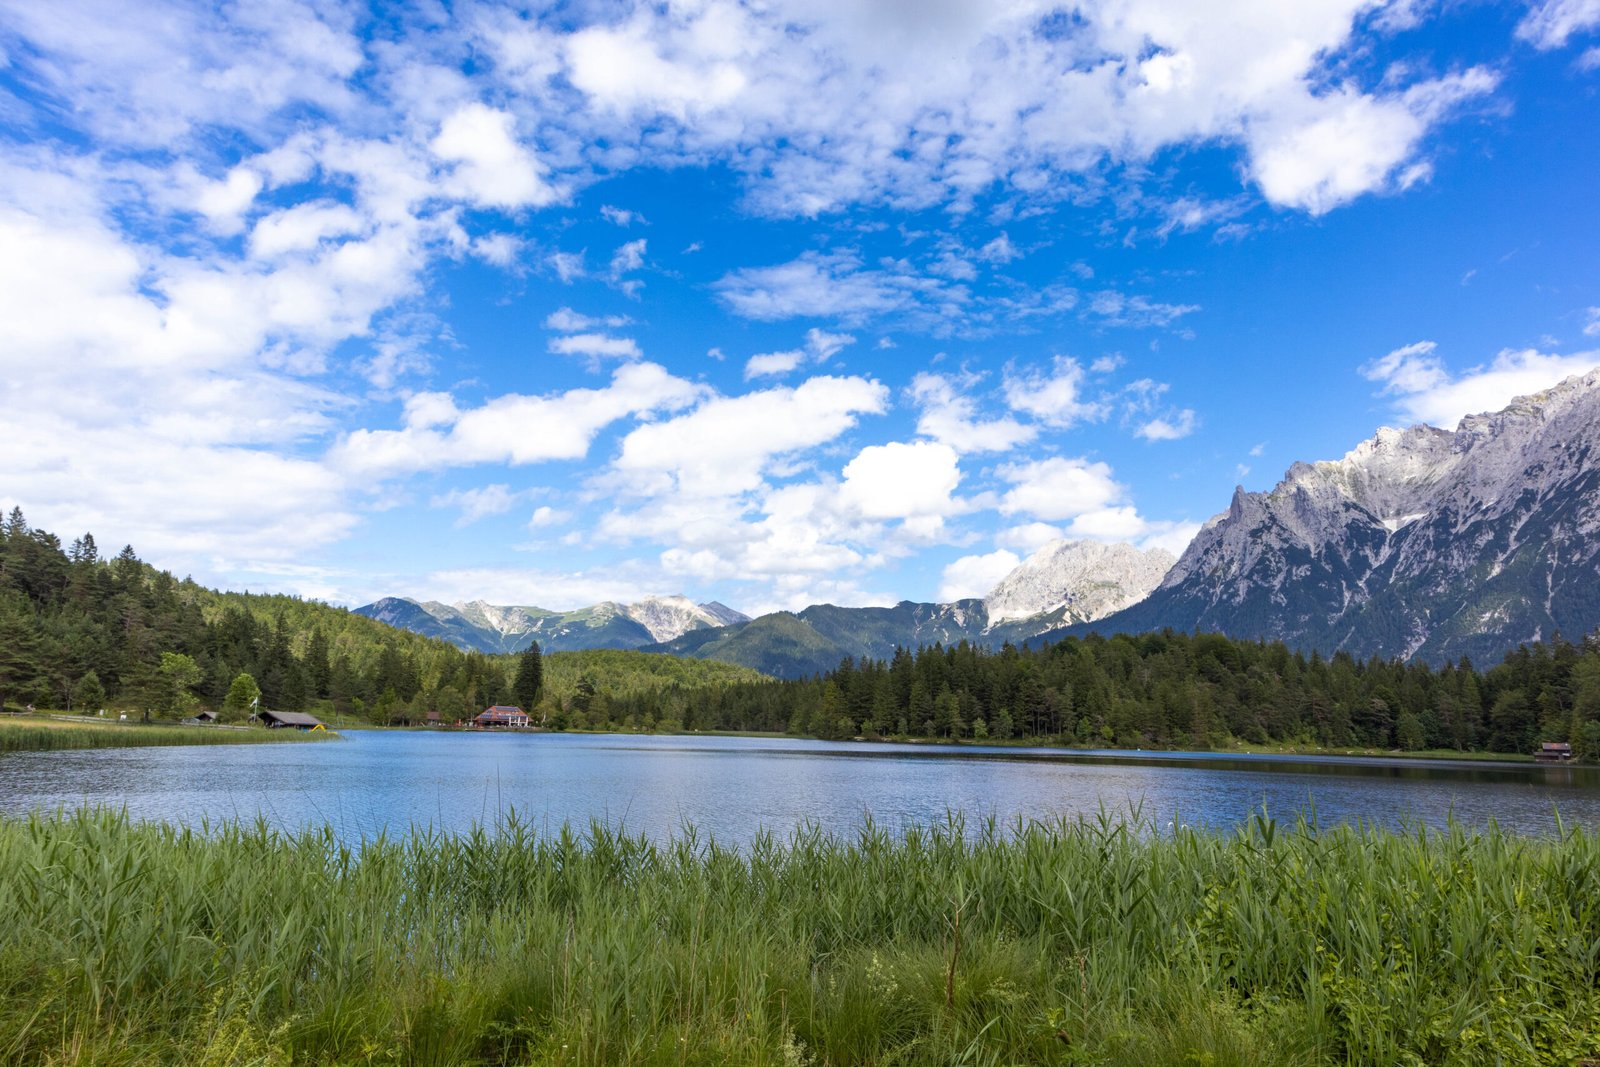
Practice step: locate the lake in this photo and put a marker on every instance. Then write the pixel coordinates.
(730, 787)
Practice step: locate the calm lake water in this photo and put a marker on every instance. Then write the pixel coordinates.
(730, 787)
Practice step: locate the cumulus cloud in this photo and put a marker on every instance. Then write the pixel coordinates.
(491, 168)
(976, 576)
(949, 415)
(1027, 538)
(1424, 390)
(514, 428)
(1053, 398)
(724, 445)
(1169, 429)
(1347, 143)
(912, 482)
(1059, 488)
(820, 346)
(595, 346)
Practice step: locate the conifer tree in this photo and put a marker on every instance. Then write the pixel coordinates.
(529, 682)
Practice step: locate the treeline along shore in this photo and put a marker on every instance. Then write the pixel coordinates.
(1167, 689)
(79, 631)
(1104, 941)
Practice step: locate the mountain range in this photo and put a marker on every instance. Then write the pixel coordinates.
(1419, 543)
(483, 627)
(1061, 584)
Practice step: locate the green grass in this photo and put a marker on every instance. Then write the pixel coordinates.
(38, 734)
(1096, 942)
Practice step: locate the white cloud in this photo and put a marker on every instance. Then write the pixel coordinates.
(627, 258)
(501, 249)
(545, 516)
(302, 227)
(724, 445)
(491, 168)
(815, 285)
(908, 481)
(1346, 143)
(595, 346)
(475, 504)
(1551, 24)
(1052, 398)
(1591, 325)
(949, 415)
(1169, 429)
(820, 347)
(619, 216)
(1112, 308)
(976, 576)
(567, 265)
(1059, 488)
(1027, 538)
(1425, 391)
(514, 428)
(565, 320)
(1000, 251)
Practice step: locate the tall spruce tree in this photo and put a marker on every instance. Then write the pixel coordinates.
(529, 682)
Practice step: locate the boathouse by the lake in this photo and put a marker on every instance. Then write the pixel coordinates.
(1554, 751)
(501, 717)
(276, 720)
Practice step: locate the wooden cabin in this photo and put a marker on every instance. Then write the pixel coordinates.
(1554, 751)
(205, 716)
(277, 720)
(501, 717)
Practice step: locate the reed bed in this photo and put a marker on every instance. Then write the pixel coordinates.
(53, 735)
(1083, 942)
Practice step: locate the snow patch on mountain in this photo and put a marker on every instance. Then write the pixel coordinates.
(667, 617)
(1090, 579)
(1416, 542)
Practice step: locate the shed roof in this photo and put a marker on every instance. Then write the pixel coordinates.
(292, 718)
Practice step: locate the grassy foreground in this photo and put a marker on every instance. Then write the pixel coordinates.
(1077, 943)
(35, 734)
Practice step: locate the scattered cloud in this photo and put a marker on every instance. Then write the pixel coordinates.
(1551, 24)
(595, 346)
(497, 431)
(820, 346)
(475, 504)
(1169, 429)
(1055, 398)
(976, 576)
(949, 415)
(491, 168)
(619, 216)
(565, 320)
(1424, 390)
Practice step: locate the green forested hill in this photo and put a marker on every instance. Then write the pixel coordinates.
(78, 629)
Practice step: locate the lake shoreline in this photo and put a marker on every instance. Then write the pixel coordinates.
(1443, 755)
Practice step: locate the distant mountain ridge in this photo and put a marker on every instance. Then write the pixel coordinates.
(1062, 583)
(483, 627)
(1422, 543)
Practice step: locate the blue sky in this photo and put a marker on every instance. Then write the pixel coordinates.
(778, 303)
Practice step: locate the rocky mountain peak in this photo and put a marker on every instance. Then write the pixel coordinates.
(1090, 579)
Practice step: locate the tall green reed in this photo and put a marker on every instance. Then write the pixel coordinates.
(1093, 941)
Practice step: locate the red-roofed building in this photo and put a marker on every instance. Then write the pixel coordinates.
(501, 717)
